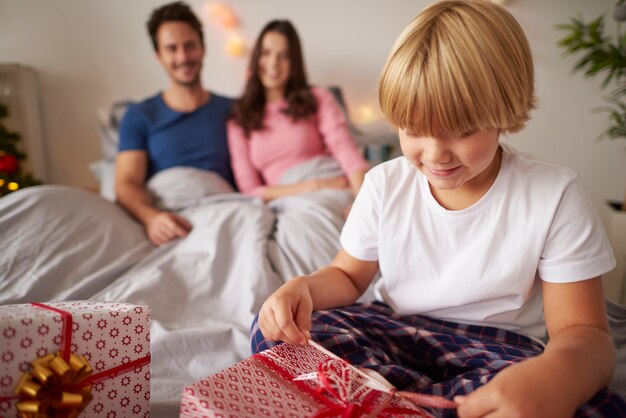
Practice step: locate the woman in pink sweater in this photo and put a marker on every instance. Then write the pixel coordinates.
(281, 122)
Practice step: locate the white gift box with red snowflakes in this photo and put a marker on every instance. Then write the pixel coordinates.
(297, 382)
(113, 338)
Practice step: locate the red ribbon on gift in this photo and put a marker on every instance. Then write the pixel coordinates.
(337, 376)
(65, 353)
(348, 392)
(66, 343)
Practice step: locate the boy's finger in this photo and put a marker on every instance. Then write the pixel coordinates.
(476, 404)
(303, 318)
(267, 327)
(286, 324)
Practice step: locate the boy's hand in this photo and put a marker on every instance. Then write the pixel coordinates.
(522, 390)
(286, 314)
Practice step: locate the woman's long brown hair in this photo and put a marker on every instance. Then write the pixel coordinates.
(249, 110)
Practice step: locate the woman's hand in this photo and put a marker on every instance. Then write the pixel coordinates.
(307, 186)
(286, 314)
(329, 183)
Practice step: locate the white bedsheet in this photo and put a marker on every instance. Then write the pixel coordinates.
(61, 243)
(203, 290)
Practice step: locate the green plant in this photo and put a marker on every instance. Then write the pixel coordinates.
(601, 54)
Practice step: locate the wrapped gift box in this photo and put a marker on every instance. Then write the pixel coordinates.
(284, 382)
(95, 354)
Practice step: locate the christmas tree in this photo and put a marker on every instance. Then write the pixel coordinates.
(11, 176)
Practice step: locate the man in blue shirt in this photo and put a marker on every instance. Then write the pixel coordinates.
(183, 126)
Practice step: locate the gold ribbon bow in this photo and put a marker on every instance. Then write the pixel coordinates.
(54, 387)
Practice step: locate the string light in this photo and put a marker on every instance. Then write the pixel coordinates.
(223, 16)
(236, 46)
(1, 182)
(13, 186)
(366, 113)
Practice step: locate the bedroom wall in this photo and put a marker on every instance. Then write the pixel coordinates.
(91, 53)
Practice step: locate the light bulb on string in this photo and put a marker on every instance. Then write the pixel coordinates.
(236, 46)
(224, 17)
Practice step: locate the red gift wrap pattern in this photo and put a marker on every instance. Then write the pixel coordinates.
(107, 345)
(278, 383)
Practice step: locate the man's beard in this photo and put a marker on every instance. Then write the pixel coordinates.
(194, 82)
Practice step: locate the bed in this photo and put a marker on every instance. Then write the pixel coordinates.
(64, 243)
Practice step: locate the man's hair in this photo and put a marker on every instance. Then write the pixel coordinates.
(173, 12)
(460, 66)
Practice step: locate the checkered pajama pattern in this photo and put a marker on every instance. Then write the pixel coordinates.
(426, 355)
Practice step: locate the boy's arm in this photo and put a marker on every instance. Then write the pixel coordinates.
(286, 315)
(577, 362)
(580, 338)
(347, 279)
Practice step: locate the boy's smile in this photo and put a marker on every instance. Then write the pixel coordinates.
(442, 173)
(455, 166)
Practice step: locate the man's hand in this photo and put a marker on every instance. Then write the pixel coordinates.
(166, 226)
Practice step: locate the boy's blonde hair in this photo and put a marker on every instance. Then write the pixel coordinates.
(459, 66)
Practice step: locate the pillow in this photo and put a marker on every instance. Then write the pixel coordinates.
(108, 127)
(182, 187)
(104, 170)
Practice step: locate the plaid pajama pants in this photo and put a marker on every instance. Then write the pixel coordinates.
(421, 354)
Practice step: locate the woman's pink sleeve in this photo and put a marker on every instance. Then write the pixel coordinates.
(247, 177)
(336, 135)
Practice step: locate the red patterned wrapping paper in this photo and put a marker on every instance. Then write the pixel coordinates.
(113, 337)
(263, 386)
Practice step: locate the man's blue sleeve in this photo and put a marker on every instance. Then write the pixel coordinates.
(133, 131)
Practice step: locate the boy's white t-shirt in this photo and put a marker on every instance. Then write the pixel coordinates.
(482, 264)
